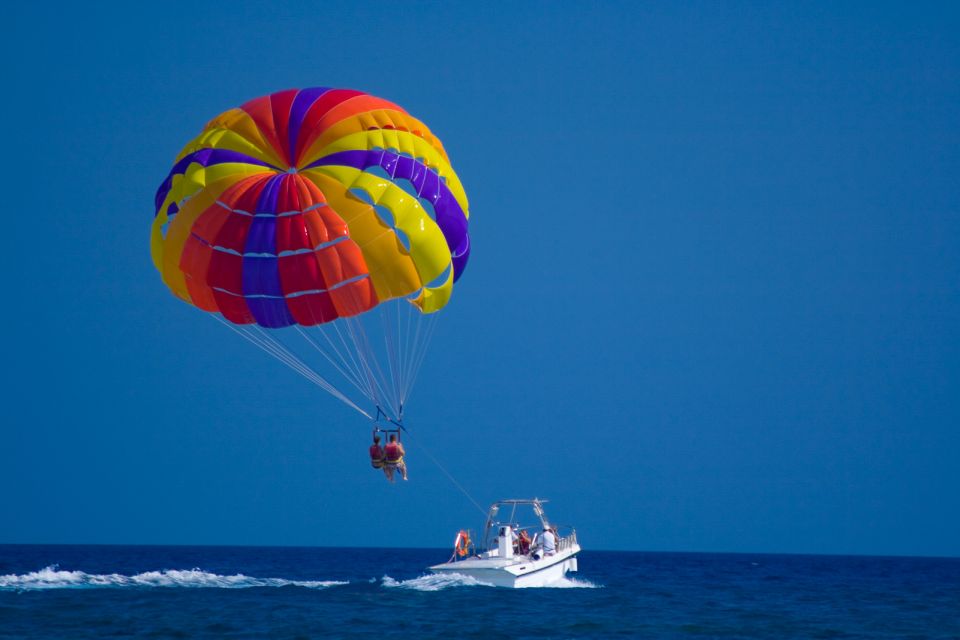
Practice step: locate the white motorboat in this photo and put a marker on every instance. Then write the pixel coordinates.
(511, 557)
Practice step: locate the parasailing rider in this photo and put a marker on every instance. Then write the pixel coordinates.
(394, 458)
(377, 454)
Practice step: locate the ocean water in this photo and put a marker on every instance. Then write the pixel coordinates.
(273, 592)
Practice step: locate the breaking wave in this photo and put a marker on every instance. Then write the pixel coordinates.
(434, 582)
(53, 578)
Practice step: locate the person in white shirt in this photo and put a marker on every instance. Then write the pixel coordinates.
(549, 539)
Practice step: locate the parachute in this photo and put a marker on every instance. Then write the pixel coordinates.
(327, 227)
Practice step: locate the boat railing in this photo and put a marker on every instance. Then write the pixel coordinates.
(567, 541)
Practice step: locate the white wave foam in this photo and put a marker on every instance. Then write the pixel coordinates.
(435, 582)
(440, 581)
(569, 583)
(53, 578)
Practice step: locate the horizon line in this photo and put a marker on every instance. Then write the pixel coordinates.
(370, 547)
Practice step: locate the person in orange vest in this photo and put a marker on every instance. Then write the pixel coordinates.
(377, 454)
(393, 458)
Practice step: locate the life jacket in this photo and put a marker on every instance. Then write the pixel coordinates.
(393, 455)
(376, 456)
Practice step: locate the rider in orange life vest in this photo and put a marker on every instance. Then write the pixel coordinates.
(394, 458)
(377, 454)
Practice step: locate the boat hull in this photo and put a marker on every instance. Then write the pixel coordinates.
(518, 573)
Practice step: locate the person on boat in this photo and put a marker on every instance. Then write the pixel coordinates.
(377, 454)
(523, 543)
(393, 458)
(549, 541)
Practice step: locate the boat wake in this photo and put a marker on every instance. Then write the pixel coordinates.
(568, 583)
(434, 582)
(441, 581)
(53, 578)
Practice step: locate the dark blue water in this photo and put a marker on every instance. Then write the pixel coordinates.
(249, 592)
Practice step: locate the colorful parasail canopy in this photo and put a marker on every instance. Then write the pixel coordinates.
(308, 209)
(309, 205)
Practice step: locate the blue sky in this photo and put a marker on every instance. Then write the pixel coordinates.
(713, 302)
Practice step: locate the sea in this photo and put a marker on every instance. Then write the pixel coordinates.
(80, 591)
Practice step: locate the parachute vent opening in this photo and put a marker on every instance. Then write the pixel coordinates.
(428, 207)
(407, 186)
(404, 240)
(380, 172)
(440, 279)
(385, 215)
(411, 189)
(362, 195)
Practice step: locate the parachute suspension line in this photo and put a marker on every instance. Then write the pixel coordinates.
(398, 353)
(419, 355)
(413, 346)
(422, 350)
(408, 349)
(280, 355)
(411, 314)
(348, 347)
(357, 378)
(368, 356)
(390, 341)
(403, 337)
(308, 372)
(349, 375)
(270, 346)
(414, 349)
(369, 366)
(446, 473)
(394, 327)
(356, 368)
(384, 381)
